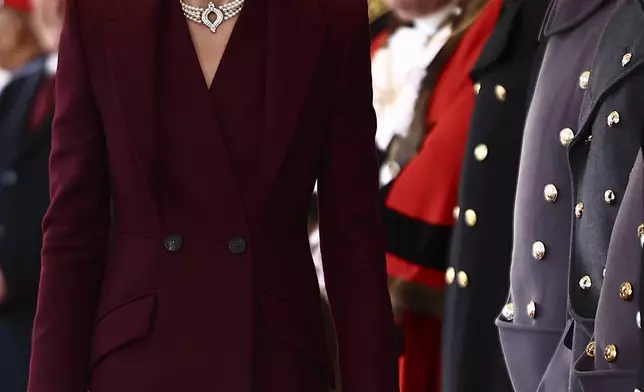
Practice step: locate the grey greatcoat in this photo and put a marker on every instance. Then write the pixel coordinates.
(583, 274)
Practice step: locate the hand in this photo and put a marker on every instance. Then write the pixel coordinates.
(3, 288)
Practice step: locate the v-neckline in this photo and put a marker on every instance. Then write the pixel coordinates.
(223, 61)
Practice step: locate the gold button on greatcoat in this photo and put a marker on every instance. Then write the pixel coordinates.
(531, 309)
(626, 59)
(477, 88)
(626, 291)
(508, 312)
(470, 218)
(613, 119)
(585, 283)
(590, 349)
(450, 273)
(550, 193)
(500, 92)
(610, 353)
(462, 279)
(456, 212)
(565, 136)
(584, 78)
(538, 250)
(609, 197)
(579, 210)
(480, 152)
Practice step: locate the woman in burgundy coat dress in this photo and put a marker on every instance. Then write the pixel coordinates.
(176, 254)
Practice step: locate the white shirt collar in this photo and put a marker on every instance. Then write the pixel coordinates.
(431, 23)
(51, 64)
(5, 77)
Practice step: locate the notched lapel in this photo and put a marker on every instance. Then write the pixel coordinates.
(131, 43)
(295, 37)
(623, 36)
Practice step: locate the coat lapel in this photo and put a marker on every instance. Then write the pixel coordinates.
(131, 41)
(564, 15)
(496, 44)
(295, 38)
(619, 54)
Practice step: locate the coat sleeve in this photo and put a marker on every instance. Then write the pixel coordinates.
(352, 236)
(75, 227)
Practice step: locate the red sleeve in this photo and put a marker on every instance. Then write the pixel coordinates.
(75, 227)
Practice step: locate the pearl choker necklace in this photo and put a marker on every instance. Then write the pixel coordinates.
(204, 15)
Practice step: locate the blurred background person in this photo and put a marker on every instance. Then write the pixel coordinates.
(26, 113)
(404, 53)
(423, 125)
(478, 274)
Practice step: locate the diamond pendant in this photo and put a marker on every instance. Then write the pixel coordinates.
(219, 17)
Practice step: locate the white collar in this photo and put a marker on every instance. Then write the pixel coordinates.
(5, 78)
(431, 23)
(51, 64)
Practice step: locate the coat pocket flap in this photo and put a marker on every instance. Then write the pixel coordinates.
(121, 326)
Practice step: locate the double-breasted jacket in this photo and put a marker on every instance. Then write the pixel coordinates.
(594, 290)
(202, 278)
(477, 274)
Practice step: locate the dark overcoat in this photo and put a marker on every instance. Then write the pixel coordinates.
(24, 197)
(608, 212)
(477, 276)
(542, 327)
(595, 287)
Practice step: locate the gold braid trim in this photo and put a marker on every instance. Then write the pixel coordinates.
(376, 9)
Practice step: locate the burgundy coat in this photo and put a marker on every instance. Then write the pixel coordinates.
(189, 287)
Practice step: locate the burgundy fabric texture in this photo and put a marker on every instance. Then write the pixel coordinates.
(178, 217)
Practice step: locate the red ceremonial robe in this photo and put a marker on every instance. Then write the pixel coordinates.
(421, 201)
